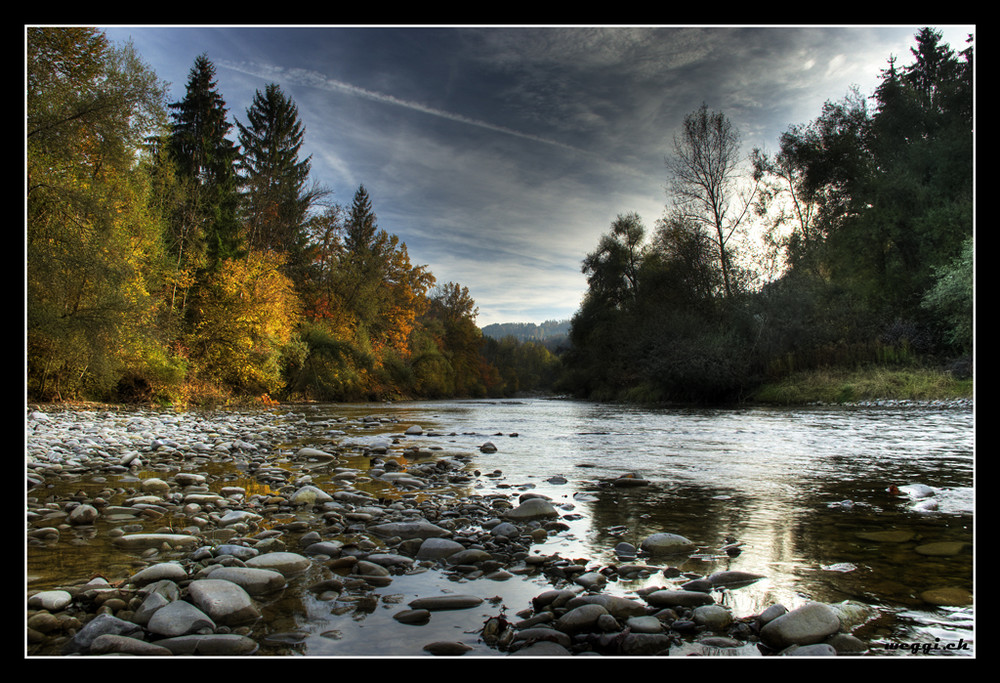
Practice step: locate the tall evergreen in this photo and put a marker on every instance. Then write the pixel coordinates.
(207, 159)
(273, 176)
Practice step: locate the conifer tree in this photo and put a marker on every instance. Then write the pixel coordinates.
(275, 198)
(206, 157)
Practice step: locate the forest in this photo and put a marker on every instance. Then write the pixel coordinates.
(176, 254)
(863, 257)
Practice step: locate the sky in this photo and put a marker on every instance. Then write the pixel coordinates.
(500, 155)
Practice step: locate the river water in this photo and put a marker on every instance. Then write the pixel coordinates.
(793, 487)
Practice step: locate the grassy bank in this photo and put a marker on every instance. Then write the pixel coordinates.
(846, 386)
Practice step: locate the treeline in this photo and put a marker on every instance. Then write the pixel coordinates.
(176, 255)
(865, 257)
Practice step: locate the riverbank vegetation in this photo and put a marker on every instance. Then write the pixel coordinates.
(849, 251)
(179, 254)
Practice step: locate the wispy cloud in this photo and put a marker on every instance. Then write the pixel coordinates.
(315, 79)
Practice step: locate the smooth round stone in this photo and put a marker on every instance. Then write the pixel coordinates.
(240, 552)
(580, 619)
(447, 648)
(533, 508)
(941, 549)
(413, 616)
(217, 644)
(805, 625)
(666, 544)
(52, 601)
(947, 597)
(223, 601)
(254, 581)
(179, 618)
(111, 643)
(679, 598)
(542, 648)
(647, 624)
(288, 564)
(438, 549)
(164, 571)
(446, 602)
(617, 606)
(310, 495)
(713, 617)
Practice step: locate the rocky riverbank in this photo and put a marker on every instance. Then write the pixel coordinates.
(207, 557)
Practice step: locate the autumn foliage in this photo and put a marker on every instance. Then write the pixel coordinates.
(165, 263)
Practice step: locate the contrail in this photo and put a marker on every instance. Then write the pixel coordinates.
(317, 80)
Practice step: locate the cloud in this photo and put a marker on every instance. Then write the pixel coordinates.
(315, 79)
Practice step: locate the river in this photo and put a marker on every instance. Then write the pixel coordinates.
(793, 488)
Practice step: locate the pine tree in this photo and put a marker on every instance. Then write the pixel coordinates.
(206, 157)
(273, 176)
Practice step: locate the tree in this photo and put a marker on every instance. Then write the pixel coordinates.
(274, 177)
(92, 244)
(246, 317)
(206, 158)
(612, 269)
(704, 180)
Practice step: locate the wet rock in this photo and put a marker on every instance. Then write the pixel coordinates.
(447, 648)
(100, 625)
(53, 600)
(179, 618)
(805, 625)
(666, 544)
(115, 644)
(217, 644)
(446, 602)
(533, 508)
(223, 601)
(253, 580)
(947, 597)
(288, 564)
(678, 598)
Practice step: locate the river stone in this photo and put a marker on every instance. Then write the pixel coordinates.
(215, 644)
(446, 602)
(447, 648)
(241, 552)
(591, 580)
(149, 606)
(288, 564)
(98, 626)
(542, 648)
(155, 485)
(254, 581)
(53, 601)
(223, 601)
(666, 544)
(947, 597)
(413, 616)
(678, 598)
(617, 606)
(179, 618)
(407, 530)
(310, 495)
(125, 645)
(733, 579)
(82, 515)
(169, 571)
(644, 624)
(580, 619)
(134, 541)
(469, 556)
(642, 644)
(533, 508)
(805, 625)
(890, 536)
(941, 549)
(815, 650)
(438, 549)
(712, 617)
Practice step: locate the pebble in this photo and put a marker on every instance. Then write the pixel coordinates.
(197, 587)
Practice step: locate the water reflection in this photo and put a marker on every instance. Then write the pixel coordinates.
(798, 490)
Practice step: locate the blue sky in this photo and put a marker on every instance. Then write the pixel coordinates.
(500, 155)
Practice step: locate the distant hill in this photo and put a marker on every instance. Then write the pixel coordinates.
(548, 331)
